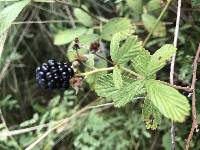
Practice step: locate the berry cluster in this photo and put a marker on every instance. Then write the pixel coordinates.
(54, 75)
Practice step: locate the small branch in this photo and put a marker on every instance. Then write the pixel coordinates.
(21, 131)
(5, 125)
(95, 71)
(157, 21)
(187, 88)
(111, 104)
(108, 69)
(60, 124)
(42, 22)
(172, 131)
(110, 62)
(194, 118)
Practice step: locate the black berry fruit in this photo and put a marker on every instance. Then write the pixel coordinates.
(54, 75)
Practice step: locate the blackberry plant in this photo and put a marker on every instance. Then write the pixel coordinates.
(134, 75)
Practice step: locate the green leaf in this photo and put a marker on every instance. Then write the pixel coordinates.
(117, 78)
(121, 25)
(160, 57)
(128, 92)
(10, 13)
(130, 49)
(195, 3)
(105, 88)
(153, 6)
(87, 39)
(166, 141)
(68, 35)
(151, 114)
(140, 62)
(168, 100)
(135, 5)
(149, 23)
(114, 44)
(83, 17)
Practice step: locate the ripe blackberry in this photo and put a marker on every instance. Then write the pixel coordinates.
(54, 75)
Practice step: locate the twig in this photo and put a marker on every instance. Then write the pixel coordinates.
(187, 88)
(59, 124)
(155, 141)
(95, 71)
(157, 21)
(194, 118)
(21, 131)
(111, 104)
(5, 125)
(172, 69)
(42, 22)
(110, 62)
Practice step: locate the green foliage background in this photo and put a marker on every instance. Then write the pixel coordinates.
(27, 45)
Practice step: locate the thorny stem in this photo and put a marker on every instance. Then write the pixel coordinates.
(157, 21)
(194, 118)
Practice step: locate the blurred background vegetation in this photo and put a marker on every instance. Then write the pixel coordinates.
(46, 30)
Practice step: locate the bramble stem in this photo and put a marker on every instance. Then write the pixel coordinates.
(95, 71)
(110, 68)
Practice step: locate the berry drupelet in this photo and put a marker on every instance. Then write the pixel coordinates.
(54, 75)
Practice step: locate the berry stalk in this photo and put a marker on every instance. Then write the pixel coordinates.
(95, 71)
